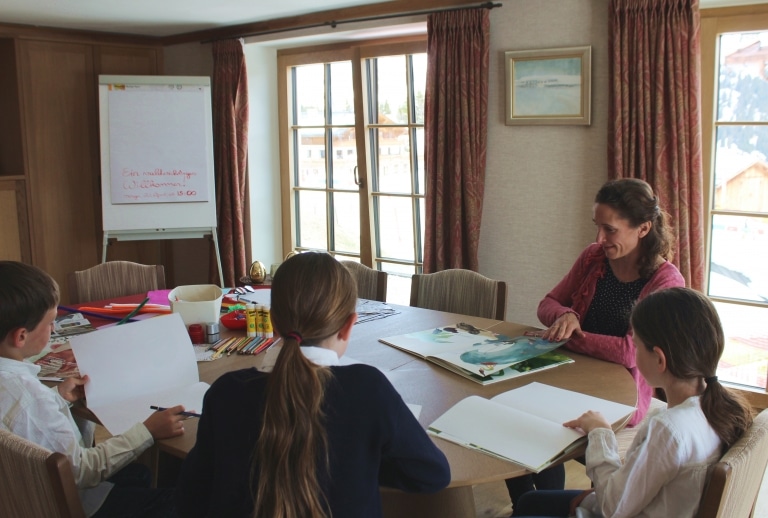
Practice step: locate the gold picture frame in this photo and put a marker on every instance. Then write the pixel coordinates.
(549, 86)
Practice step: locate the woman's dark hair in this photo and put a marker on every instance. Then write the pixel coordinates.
(27, 293)
(313, 296)
(634, 200)
(684, 324)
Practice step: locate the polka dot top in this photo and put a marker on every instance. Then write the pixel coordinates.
(608, 314)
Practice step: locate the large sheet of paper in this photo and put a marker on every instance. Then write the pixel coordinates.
(133, 366)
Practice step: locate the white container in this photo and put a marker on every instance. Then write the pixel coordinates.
(197, 304)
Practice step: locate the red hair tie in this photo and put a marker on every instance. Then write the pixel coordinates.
(296, 336)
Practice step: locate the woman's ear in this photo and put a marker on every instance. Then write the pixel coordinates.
(644, 228)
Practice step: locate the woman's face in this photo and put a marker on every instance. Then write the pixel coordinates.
(615, 234)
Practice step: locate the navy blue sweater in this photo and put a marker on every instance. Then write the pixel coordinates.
(373, 439)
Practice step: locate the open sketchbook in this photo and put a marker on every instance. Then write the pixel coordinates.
(524, 425)
(134, 366)
(480, 355)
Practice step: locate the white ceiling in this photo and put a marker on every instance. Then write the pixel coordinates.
(158, 17)
(169, 17)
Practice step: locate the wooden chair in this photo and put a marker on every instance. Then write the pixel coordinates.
(734, 482)
(35, 481)
(371, 284)
(460, 291)
(114, 279)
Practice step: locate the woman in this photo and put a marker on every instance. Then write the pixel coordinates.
(312, 438)
(590, 306)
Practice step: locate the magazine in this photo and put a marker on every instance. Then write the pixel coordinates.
(56, 360)
(481, 355)
(524, 425)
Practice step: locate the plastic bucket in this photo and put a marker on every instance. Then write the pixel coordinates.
(197, 304)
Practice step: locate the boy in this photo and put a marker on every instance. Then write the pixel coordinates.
(28, 300)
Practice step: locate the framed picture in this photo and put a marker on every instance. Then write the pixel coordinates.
(550, 86)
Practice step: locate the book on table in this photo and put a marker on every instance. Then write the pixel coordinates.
(480, 355)
(524, 425)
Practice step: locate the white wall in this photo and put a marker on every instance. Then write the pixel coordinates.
(540, 180)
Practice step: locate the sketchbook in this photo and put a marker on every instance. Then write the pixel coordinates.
(524, 425)
(480, 355)
(134, 366)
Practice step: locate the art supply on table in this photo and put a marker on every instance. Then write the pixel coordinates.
(251, 317)
(266, 321)
(212, 332)
(196, 334)
(160, 409)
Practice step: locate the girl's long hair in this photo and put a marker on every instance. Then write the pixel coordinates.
(684, 324)
(313, 295)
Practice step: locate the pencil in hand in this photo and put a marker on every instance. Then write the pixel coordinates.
(188, 414)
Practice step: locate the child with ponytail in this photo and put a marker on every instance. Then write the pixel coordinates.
(679, 341)
(311, 438)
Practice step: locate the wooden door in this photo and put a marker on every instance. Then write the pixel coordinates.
(58, 103)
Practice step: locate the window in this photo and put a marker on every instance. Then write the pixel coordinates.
(736, 168)
(362, 107)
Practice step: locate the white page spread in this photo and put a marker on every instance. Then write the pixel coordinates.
(133, 366)
(523, 425)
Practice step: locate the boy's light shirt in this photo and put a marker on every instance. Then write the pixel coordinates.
(21, 392)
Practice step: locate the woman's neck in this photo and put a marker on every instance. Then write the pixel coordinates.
(625, 268)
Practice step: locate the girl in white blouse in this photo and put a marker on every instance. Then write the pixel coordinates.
(679, 342)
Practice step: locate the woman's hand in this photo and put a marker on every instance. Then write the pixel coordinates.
(166, 423)
(71, 389)
(589, 421)
(563, 328)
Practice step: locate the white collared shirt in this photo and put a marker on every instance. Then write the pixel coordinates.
(39, 414)
(320, 355)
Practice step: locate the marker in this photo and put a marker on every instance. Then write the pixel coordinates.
(188, 414)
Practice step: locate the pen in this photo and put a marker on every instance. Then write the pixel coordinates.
(188, 414)
(132, 313)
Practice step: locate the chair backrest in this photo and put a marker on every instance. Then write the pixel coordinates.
(460, 291)
(371, 284)
(35, 481)
(114, 279)
(734, 482)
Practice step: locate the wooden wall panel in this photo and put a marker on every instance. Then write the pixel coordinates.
(58, 106)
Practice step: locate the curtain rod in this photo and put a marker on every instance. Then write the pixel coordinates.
(333, 23)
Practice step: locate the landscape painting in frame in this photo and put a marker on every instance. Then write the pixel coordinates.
(550, 86)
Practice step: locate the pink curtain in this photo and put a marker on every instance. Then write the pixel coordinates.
(455, 127)
(230, 136)
(654, 120)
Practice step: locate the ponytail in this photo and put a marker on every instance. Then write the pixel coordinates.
(313, 296)
(293, 444)
(727, 412)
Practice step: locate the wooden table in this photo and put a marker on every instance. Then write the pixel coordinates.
(436, 389)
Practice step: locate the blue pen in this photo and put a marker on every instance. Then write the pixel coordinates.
(188, 414)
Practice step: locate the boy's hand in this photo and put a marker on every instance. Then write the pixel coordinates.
(166, 423)
(71, 389)
(589, 421)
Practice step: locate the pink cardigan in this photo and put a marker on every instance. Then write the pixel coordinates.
(574, 294)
